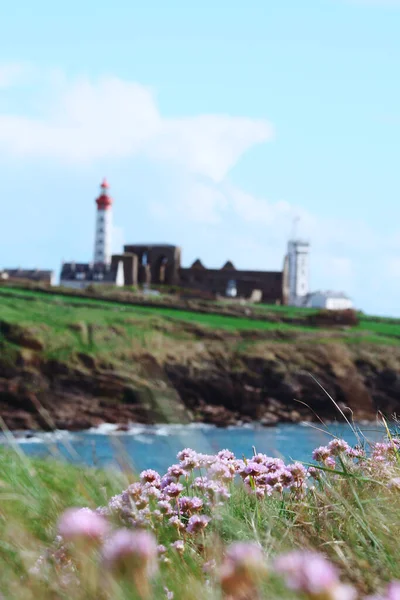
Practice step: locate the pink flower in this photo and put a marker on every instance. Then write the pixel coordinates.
(244, 565)
(173, 489)
(197, 523)
(226, 455)
(321, 454)
(175, 471)
(392, 592)
(131, 550)
(307, 572)
(176, 522)
(254, 469)
(82, 524)
(165, 507)
(337, 447)
(189, 504)
(393, 589)
(247, 555)
(394, 483)
(179, 546)
(150, 476)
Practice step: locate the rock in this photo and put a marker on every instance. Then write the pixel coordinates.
(19, 335)
(123, 427)
(269, 419)
(87, 360)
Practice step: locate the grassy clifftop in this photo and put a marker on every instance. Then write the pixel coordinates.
(86, 360)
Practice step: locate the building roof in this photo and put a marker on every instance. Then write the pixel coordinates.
(197, 264)
(30, 274)
(96, 272)
(150, 246)
(330, 294)
(228, 266)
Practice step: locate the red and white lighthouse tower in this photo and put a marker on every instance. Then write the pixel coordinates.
(102, 245)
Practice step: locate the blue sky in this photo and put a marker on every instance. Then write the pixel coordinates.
(216, 124)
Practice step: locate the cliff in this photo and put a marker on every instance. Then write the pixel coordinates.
(64, 365)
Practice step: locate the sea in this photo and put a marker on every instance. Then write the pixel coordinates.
(156, 446)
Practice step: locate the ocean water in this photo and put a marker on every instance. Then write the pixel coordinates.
(156, 447)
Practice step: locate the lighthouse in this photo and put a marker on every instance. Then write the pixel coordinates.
(102, 246)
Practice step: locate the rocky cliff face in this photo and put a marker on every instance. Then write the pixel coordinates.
(273, 380)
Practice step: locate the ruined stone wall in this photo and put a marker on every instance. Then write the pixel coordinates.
(216, 280)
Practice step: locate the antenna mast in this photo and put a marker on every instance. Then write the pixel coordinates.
(294, 228)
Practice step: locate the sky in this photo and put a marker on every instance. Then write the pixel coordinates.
(217, 124)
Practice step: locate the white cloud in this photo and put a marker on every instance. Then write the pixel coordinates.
(195, 202)
(112, 118)
(12, 74)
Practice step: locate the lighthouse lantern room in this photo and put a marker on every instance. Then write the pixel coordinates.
(102, 247)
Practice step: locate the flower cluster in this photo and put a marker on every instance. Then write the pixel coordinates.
(178, 509)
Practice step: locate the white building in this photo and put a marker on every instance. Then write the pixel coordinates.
(329, 300)
(33, 275)
(79, 275)
(298, 271)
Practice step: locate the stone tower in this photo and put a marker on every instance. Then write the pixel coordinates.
(102, 245)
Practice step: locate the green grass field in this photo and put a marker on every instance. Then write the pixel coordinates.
(67, 324)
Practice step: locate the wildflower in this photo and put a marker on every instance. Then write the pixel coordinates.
(82, 524)
(356, 452)
(151, 491)
(297, 470)
(314, 473)
(166, 480)
(150, 476)
(185, 453)
(176, 522)
(393, 591)
(330, 462)
(175, 471)
(311, 574)
(173, 489)
(179, 546)
(338, 446)
(190, 504)
(168, 594)
(141, 502)
(165, 507)
(134, 490)
(189, 459)
(226, 455)
(242, 569)
(273, 464)
(200, 483)
(132, 553)
(197, 523)
(261, 458)
(321, 454)
(116, 503)
(220, 470)
(394, 483)
(254, 469)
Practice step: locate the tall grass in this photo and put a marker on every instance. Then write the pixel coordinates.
(349, 513)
